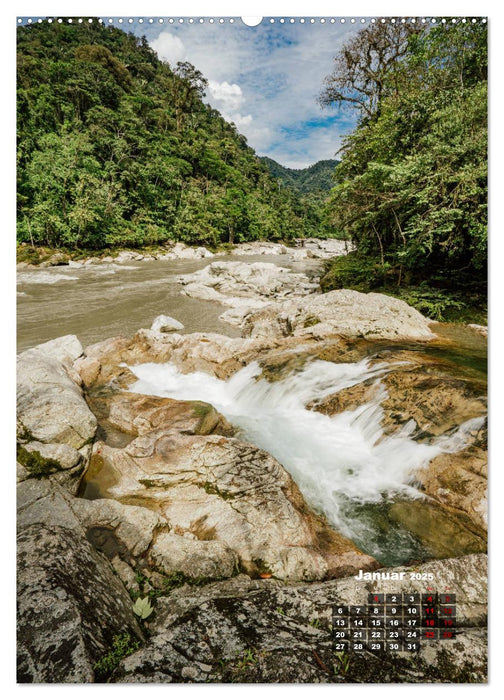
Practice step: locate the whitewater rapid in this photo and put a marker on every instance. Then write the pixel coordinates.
(336, 461)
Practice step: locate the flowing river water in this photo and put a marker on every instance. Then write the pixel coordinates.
(101, 301)
(345, 465)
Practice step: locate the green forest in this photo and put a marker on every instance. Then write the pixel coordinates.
(411, 187)
(115, 148)
(317, 178)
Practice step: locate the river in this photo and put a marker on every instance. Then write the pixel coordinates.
(345, 465)
(96, 302)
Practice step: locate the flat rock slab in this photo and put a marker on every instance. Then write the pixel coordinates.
(343, 311)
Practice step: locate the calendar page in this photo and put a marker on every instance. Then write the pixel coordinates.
(252, 337)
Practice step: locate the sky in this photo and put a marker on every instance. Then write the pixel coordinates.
(265, 79)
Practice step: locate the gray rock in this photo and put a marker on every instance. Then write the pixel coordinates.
(67, 348)
(193, 557)
(342, 311)
(181, 251)
(67, 457)
(70, 606)
(50, 404)
(44, 502)
(245, 631)
(245, 287)
(133, 526)
(165, 324)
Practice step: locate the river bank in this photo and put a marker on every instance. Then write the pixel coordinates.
(255, 473)
(39, 256)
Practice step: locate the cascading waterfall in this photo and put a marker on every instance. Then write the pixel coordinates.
(345, 466)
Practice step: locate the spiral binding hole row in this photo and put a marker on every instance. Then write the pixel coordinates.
(232, 20)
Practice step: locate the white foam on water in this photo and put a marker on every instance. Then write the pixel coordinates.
(43, 277)
(333, 459)
(109, 268)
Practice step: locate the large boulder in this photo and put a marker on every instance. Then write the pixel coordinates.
(137, 414)
(212, 487)
(343, 311)
(70, 606)
(51, 407)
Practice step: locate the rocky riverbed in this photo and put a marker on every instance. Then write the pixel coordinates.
(307, 248)
(157, 465)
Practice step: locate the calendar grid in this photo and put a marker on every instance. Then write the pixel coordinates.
(394, 622)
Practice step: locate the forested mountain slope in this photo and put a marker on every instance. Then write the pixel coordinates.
(315, 178)
(116, 147)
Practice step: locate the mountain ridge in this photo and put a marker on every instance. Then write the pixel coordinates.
(317, 177)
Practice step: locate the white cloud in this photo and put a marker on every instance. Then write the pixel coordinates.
(266, 80)
(169, 48)
(229, 95)
(228, 99)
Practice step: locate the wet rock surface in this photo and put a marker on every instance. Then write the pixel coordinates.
(460, 482)
(425, 397)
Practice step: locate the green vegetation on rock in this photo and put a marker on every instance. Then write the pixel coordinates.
(122, 645)
(168, 582)
(37, 465)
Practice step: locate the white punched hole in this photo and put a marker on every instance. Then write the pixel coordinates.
(251, 21)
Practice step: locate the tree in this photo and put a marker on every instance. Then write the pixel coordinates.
(188, 88)
(412, 184)
(367, 66)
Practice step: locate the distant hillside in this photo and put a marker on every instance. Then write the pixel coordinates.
(316, 178)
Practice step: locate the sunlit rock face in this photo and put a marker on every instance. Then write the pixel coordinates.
(342, 311)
